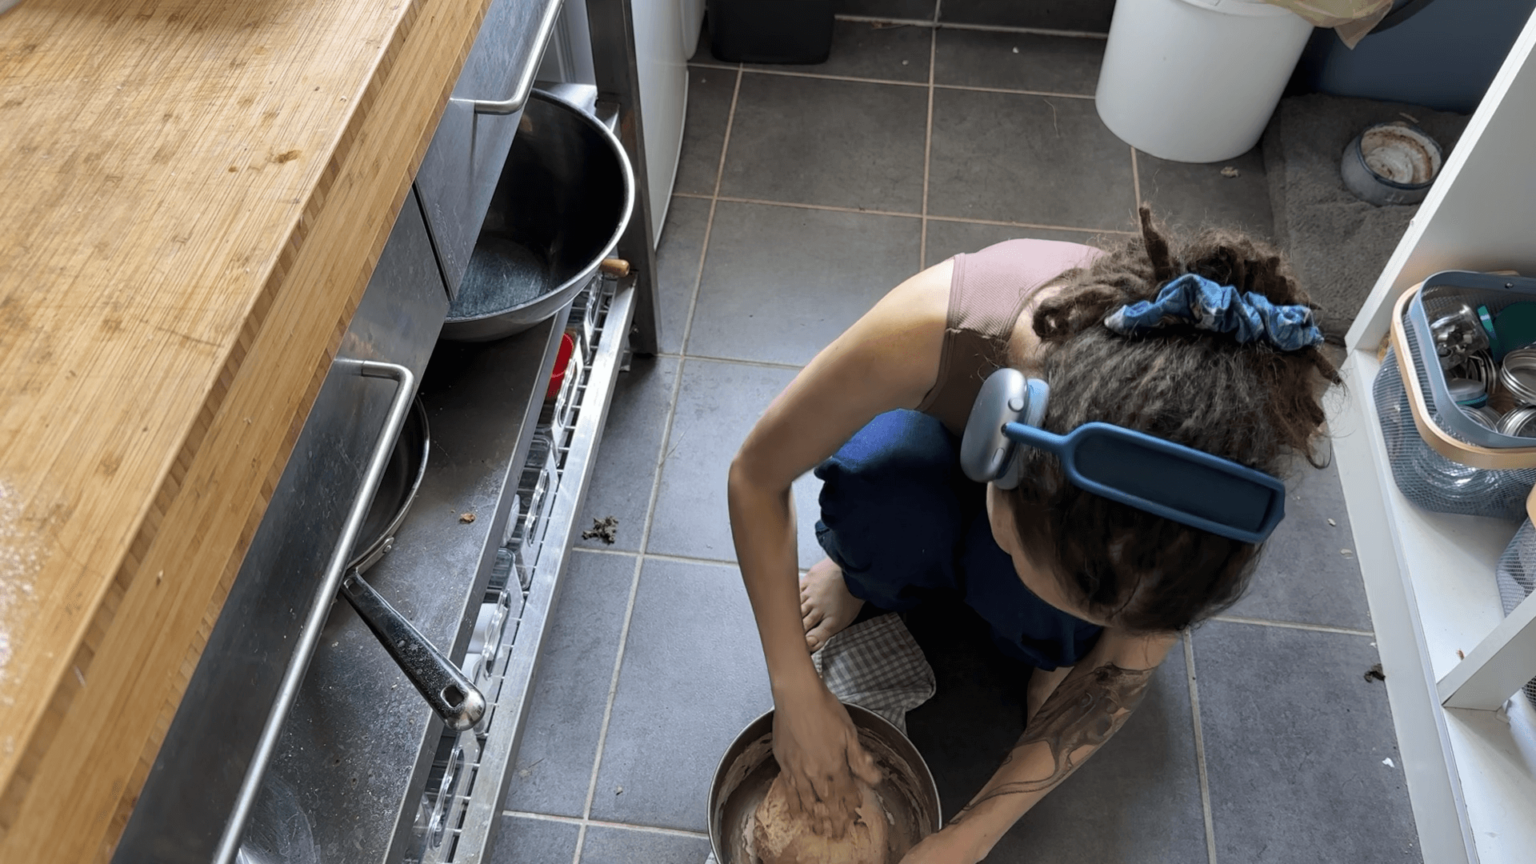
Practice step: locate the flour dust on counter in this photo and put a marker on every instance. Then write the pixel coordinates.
(19, 562)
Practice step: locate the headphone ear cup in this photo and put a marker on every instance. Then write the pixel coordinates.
(1010, 476)
(1037, 397)
(1034, 407)
(985, 452)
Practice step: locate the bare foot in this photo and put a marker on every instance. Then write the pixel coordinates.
(825, 604)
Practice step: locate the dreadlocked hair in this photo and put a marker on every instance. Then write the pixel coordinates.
(1250, 403)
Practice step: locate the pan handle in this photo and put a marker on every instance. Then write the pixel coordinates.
(441, 683)
(320, 606)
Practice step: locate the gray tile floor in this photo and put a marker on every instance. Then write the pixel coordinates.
(804, 193)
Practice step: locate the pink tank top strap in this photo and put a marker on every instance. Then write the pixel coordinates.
(987, 293)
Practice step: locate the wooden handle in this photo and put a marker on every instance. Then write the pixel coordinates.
(614, 267)
(1437, 438)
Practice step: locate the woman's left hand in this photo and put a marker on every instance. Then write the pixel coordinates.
(945, 847)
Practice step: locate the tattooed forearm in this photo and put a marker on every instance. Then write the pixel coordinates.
(1083, 712)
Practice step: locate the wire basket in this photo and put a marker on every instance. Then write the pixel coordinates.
(1516, 576)
(1428, 479)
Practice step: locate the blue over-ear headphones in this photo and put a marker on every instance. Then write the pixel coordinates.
(1189, 486)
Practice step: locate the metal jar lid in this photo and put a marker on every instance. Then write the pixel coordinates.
(1479, 367)
(1484, 416)
(1465, 391)
(1518, 375)
(1520, 423)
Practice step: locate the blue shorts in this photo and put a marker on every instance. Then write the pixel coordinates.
(906, 526)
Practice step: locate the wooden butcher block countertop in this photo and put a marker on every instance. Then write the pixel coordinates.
(192, 198)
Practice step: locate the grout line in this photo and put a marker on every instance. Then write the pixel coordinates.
(603, 823)
(930, 217)
(862, 210)
(1293, 625)
(933, 63)
(1025, 31)
(933, 218)
(709, 227)
(543, 817)
(933, 56)
(650, 510)
(656, 556)
(592, 550)
(788, 73)
(880, 19)
(1205, 781)
(930, 84)
(613, 692)
(983, 28)
(1136, 178)
(1051, 94)
(763, 364)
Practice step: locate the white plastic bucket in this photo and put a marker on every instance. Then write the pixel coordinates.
(1196, 80)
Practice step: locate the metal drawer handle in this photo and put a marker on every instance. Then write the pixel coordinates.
(530, 70)
(320, 606)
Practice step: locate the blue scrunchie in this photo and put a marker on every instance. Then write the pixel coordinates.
(1248, 317)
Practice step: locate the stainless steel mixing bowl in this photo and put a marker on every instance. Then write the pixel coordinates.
(563, 200)
(747, 769)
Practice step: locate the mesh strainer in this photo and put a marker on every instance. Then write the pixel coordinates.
(1516, 576)
(1429, 480)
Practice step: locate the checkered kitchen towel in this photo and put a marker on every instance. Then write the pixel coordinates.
(875, 664)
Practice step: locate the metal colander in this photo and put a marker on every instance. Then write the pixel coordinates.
(1516, 576)
(1430, 481)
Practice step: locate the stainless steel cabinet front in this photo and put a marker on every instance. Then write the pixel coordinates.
(461, 167)
(192, 786)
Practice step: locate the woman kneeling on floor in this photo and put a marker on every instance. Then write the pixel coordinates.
(1090, 593)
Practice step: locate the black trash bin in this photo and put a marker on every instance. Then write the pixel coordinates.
(771, 31)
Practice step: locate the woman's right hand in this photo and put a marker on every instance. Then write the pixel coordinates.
(817, 748)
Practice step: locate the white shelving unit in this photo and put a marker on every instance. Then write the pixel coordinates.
(1468, 740)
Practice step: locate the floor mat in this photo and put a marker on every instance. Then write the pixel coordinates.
(1337, 243)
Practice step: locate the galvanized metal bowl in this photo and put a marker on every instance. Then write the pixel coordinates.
(748, 768)
(1391, 163)
(563, 200)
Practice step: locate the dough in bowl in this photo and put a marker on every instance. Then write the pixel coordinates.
(780, 838)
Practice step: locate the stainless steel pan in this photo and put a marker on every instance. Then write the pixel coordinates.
(445, 688)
